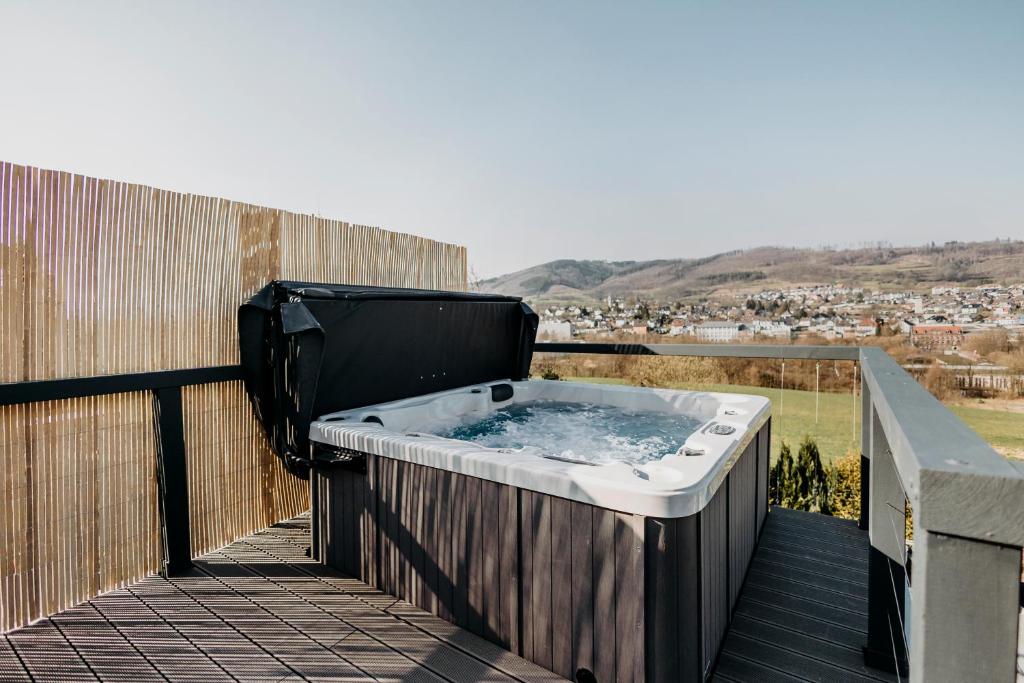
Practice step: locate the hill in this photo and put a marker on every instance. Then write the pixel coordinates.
(883, 268)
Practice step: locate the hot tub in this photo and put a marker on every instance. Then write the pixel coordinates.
(598, 562)
(623, 568)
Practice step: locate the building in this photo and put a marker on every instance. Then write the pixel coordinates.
(555, 330)
(937, 336)
(678, 328)
(773, 328)
(718, 331)
(866, 327)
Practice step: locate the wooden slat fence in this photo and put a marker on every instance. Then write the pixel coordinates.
(103, 277)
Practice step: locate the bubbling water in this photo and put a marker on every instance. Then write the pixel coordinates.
(581, 431)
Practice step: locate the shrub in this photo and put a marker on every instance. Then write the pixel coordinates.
(546, 372)
(801, 484)
(844, 486)
(663, 371)
(939, 382)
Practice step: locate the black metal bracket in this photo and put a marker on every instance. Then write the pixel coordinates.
(327, 457)
(172, 472)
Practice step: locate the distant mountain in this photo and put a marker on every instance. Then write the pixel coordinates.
(956, 263)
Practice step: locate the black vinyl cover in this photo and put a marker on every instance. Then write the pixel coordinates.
(309, 349)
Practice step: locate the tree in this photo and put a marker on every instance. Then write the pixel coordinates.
(801, 484)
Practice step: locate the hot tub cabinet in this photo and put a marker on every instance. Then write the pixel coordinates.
(567, 584)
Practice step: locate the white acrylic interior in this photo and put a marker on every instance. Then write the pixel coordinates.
(676, 486)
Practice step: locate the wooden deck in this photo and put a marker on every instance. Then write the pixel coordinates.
(802, 613)
(257, 610)
(260, 610)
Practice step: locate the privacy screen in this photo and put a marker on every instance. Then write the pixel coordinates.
(310, 349)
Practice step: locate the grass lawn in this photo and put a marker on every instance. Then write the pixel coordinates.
(1003, 429)
(837, 430)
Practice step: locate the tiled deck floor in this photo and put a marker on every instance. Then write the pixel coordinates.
(802, 613)
(257, 610)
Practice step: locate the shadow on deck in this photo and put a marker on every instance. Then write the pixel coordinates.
(257, 610)
(802, 613)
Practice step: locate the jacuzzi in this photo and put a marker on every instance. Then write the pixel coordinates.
(627, 571)
(624, 570)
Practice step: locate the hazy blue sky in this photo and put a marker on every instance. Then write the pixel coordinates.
(534, 131)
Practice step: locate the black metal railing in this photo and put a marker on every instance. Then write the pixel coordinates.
(169, 429)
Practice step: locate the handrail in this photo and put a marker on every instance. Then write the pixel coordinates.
(34, 391)
(168, 425)
(781, 351)
(956, 482)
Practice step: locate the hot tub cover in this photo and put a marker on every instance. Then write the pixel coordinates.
(308, 349)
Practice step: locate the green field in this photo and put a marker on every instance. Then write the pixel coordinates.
(837, 430)
(1001, 428)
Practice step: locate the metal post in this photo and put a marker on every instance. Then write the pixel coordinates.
(964, 612)
(172, 471)
(886, 646)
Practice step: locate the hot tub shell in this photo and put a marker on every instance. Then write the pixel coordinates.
(568, 565)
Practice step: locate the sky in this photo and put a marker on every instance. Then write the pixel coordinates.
(531, 131)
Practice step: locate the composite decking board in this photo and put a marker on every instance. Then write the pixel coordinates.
(490, 501)
(582, 584)
(847, 658)
(453, 635)
(399, 639)
(526, 572)
(689, 596)
(102, 646)
(401, 628)
(854, 589)
(772, 555)
(541, 602)
(843, 531)
(429, 540)
(443, 527)
(371, 556)
(629, 603)
(794, 624)
(714, 572)
(661, 581)
(461, 574)
(742, 517)
(837, 633)
(47, 655)
(804, 666)
(767, 579)
(847, 537)
(790, 552)
(11, 668)
(256, 610)
(604, 593)
(474, 555)
(561, 593)
(401, 531)
(508, 568)
(815, 609)
(832, 524)
(733, 669)
(763, 464)
(825, 542)
(802, 548)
